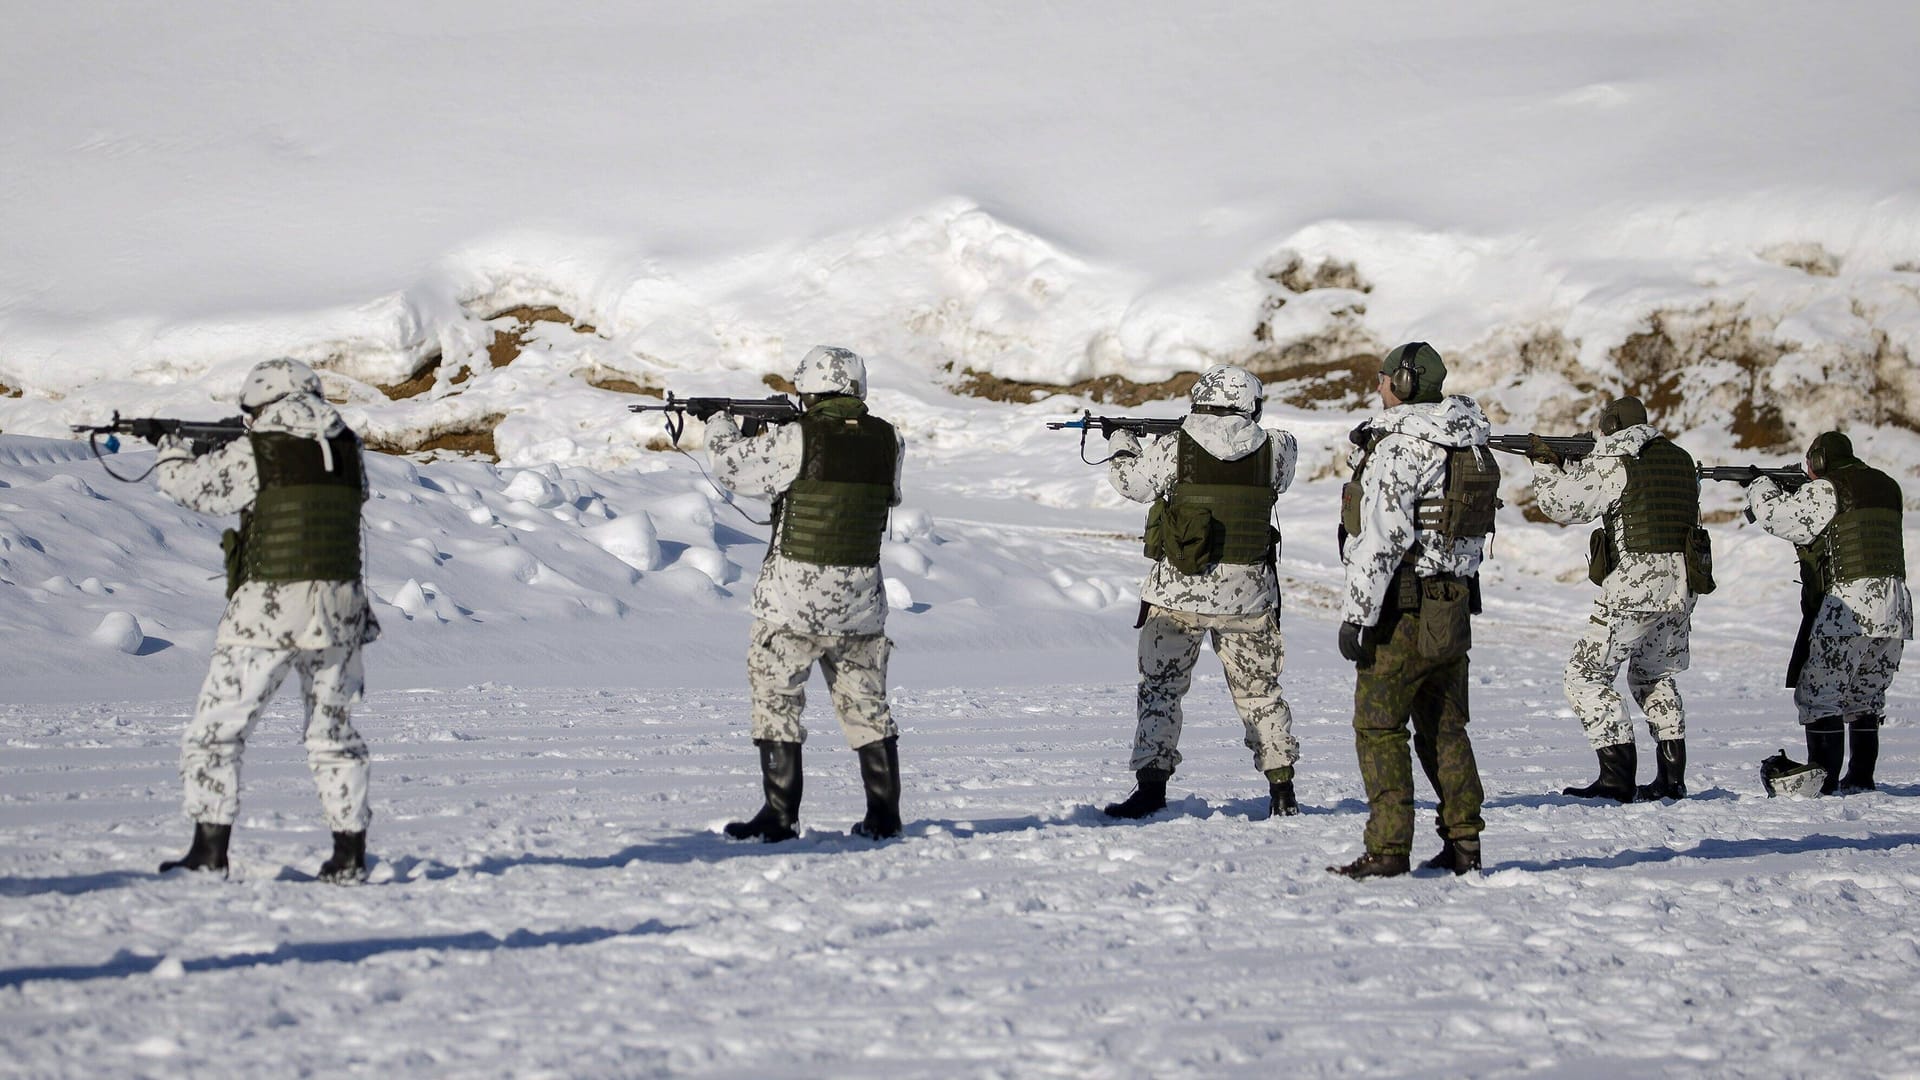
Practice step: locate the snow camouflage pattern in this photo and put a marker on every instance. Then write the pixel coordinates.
(271, 380)
(1653, 646)
(269, 614)
(1251, 651)
(854, 665)
(1408, 463)
(1846, 677)
(1879, 607)
(1145, 472)
(804, 597)
(1397, 686)
(1225, 386)
(829, 369)
(239, 682)
(1587, 489)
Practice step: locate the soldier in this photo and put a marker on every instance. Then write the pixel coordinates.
(1857, 612)
(1643, 489)
(1414, 523)
(1212, 485)
(833, 477)
(295, 605)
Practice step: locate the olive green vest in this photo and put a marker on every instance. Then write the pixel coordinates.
(1661, 504)
(1237, 496)
(1864, 539)
(835, 514)
(304, 524)
(1469, 496)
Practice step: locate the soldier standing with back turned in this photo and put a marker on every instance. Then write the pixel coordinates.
(833, 477)
(1857, 612)
(1643, 489)
(1414, 523)
(1213, 485)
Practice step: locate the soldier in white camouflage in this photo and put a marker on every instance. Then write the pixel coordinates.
(833, 477)
(1414, 525)
(1643, 490)
(1856, 610)
(1212, 484)
(295, 606)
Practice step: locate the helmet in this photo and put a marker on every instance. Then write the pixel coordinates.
(1781, 775)
(1622, 413)
(829, 369)
(1229, 387)
(1416, 372)
(271, 380)
(1830, 450)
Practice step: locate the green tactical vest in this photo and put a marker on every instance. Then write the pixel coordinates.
(1231, 500)
(835, 514)
(1469, 495)
(1661, 504)
(304, 524)
(1864, 539)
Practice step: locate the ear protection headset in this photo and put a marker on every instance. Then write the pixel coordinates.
(1405, 377)
(1826, 450)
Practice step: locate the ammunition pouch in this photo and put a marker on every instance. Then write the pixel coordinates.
(1600, 560)
(1699, 556)
(1185, 536)
(233, 544)
(1446, 623)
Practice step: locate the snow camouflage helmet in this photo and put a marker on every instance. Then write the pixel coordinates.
(1781, 775)
(271, 380)
(1228, 387)
(829, 369)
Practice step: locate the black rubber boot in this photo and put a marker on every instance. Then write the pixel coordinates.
(1280, 800)
(880, 773)
(1617, 765)
(780, 778)
(349, 863)
(1149, 795)
(1827, 747)
(1371, 866)
(1863, 752)
(1459, 856)
(1669, 772)
(207, 852)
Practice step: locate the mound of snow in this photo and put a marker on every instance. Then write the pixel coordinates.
(120, 631)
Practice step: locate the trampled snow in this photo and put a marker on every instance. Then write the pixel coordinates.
(1565, 201)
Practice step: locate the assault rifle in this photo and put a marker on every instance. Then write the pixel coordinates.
(1790, 479)
(203, 436)
(1569, 447)
(757, 412)
(1107, 425)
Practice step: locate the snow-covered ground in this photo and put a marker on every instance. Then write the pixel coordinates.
(1712, 204)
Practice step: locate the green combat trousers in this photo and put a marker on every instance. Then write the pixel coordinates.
(1401, 685)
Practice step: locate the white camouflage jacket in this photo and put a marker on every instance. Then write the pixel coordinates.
(1409, 463)
(1868, 607)
(1146, 472)
(269, 614)
(1590, 488)
(802, 596)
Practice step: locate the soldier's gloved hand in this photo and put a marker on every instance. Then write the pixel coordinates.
(1123, 443)
(146, 428)
(703, 409)
(1361, 434)
(1540, 453)
(1352, 644)
(173, 448)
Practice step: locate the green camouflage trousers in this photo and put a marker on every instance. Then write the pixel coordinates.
(1401, 685)
(1250, 650)
(854, 665)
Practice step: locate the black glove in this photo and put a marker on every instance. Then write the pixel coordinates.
(1752, 475)
(1361, 433)
(146, 428)
(1540, 453)
(1352, 645)
(702, 410)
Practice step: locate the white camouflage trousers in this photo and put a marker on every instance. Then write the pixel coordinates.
(239, 683)
(1653, 645)
(1250, 650)
(1846, 677)
(854, 665)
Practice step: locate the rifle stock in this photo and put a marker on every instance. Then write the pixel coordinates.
(1569, 447)
(1788, 478)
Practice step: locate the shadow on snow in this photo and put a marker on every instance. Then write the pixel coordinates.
(1722, 849)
